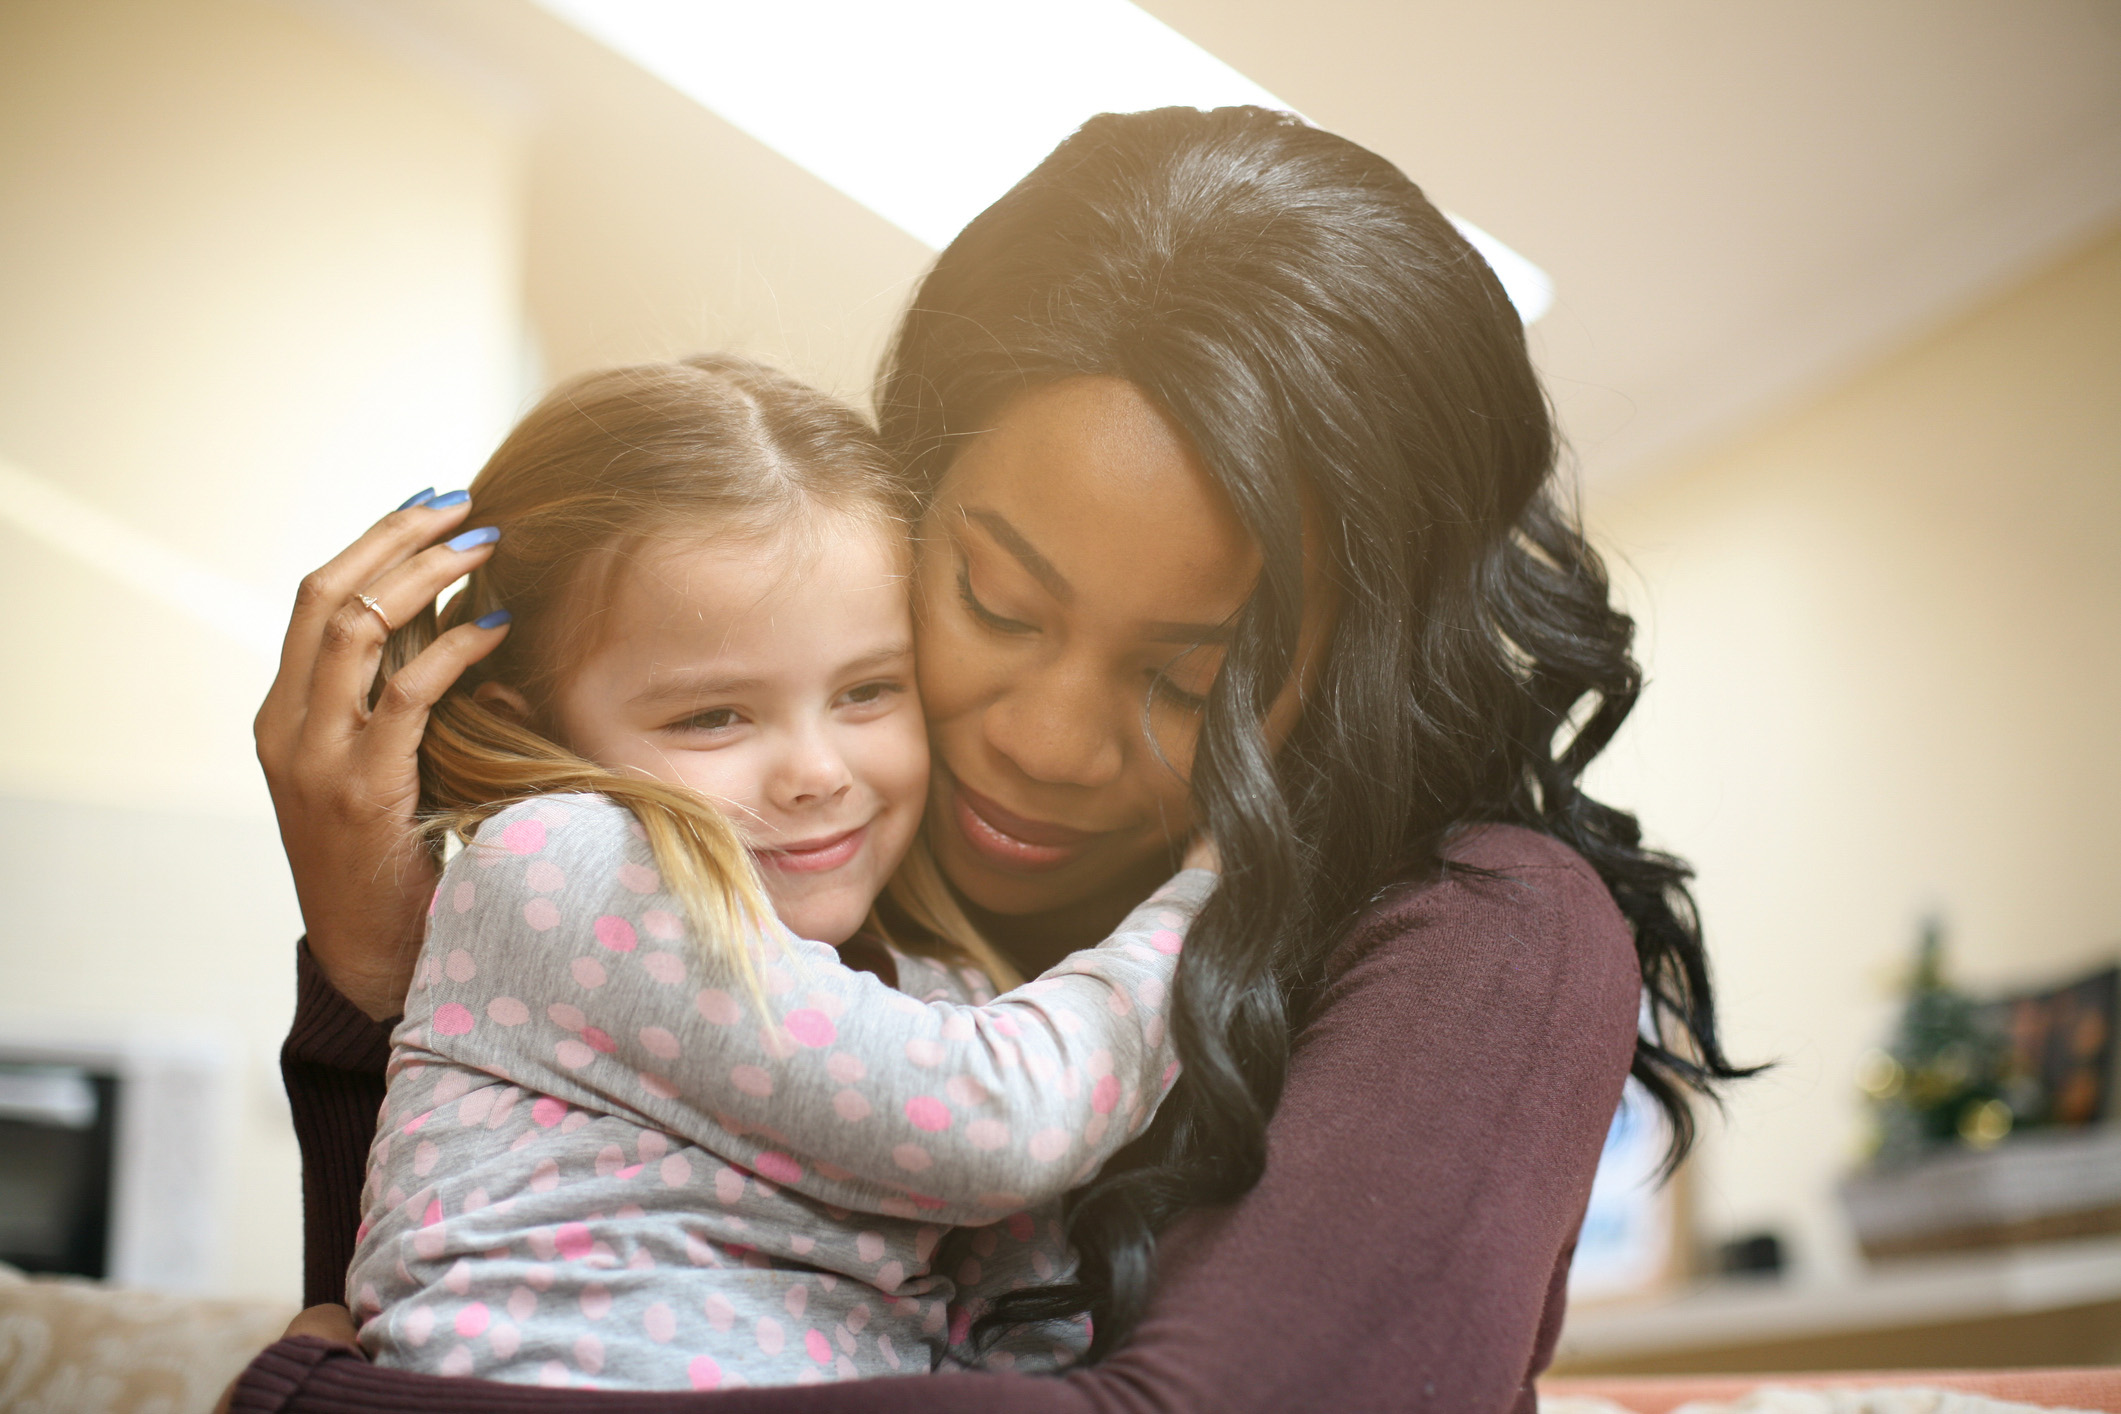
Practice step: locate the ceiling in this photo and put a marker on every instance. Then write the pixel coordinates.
(1738, 201)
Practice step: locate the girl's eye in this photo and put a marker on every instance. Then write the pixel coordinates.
(715, 719)
(980, 611)
(869, 693)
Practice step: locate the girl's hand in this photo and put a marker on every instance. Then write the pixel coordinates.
(1202, 854)
(344, 777)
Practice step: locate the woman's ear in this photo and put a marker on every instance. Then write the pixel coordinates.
(502, 699)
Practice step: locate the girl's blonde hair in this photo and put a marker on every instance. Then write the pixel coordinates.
(604, 465)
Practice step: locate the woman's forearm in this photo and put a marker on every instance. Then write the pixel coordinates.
(332, 1064)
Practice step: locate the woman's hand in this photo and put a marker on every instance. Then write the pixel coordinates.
(332, 1323)
(344, 777)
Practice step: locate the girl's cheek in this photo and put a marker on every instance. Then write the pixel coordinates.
(894, 759)
(722, 775)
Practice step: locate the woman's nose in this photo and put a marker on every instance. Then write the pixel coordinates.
(1063, 726)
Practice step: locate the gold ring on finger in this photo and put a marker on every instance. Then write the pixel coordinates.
(377, 609)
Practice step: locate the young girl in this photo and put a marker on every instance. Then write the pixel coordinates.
(639, 1132)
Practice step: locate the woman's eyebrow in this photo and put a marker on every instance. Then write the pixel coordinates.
(1011, 539)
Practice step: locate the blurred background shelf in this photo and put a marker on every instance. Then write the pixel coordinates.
(2053, 1304)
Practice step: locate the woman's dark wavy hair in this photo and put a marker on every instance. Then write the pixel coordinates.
(1339, 357)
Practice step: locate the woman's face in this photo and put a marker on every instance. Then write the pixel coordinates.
(1078, 573)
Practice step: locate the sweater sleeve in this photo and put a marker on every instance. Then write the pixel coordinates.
(332, 1065)
(554, 958)
(1405, 1249)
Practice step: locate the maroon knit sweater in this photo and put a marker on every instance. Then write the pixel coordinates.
(1407, 1247)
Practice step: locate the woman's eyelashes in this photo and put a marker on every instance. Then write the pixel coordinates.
(1161, 685)
(980, 611)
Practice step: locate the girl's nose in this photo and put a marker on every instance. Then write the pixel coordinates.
(1064, 725)
(809, 773)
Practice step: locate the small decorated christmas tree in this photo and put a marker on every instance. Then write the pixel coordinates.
(1941, 1080)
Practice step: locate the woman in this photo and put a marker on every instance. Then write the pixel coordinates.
(1238, 519)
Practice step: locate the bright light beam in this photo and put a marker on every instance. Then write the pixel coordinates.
(104, 543)
(925, 111)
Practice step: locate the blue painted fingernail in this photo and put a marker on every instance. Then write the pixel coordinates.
(473, 539)
(492, 620)
(417, 498)
(448, 499)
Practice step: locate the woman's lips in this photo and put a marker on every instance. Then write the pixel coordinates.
(1008, 840)
(814, 856)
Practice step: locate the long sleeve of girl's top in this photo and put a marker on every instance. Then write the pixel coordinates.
(554, 959)
(1408, 1244)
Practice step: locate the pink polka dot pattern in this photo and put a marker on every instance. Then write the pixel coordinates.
(523, 837)
(925, 1112)
(777, 1168)
(660, 1323)
(810, 1027)
(587, 1104)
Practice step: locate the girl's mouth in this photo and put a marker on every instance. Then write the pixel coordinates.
(814, 856)
(1009, 841)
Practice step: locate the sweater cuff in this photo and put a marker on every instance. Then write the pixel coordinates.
(269, 1382)
(329, 1030)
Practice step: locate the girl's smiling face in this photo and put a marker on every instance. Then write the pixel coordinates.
(774, 675)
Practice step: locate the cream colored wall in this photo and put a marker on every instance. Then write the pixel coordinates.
(258, 281)
(1884, 639)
